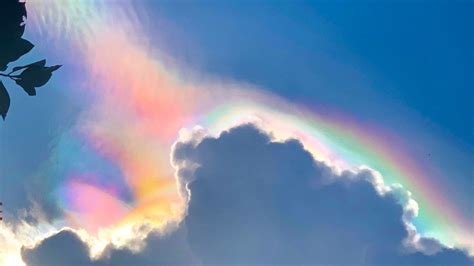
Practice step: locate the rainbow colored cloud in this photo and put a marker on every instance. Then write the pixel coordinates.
(136, 105)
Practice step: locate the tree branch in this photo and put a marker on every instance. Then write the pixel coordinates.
(13, 77)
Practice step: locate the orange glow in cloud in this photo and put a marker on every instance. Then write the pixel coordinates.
(137, 112)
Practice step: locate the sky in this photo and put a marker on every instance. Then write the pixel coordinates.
(210, 132)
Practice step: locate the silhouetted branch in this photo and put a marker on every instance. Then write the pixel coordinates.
(12, 47)
(9, 75)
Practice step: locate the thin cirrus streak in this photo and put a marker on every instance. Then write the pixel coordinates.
(139, 105)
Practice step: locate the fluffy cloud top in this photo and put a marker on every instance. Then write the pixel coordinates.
(255, 201)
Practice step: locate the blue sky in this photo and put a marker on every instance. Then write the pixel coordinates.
(404, 66)
(413, 54)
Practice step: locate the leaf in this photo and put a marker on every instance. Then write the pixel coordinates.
(54, 68)
(35, 75)
(12, 26)
(30, 90)
(12, 19)
(11, 50)
(38, 63)
(4, 101)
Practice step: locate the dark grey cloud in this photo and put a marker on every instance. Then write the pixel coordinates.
(66, 248)
(254, 201)
(258, 201)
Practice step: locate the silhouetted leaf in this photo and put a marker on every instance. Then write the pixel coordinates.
(12, 16)
(54, 68)
(12, 50)
(38, 63)
(4, 101)
(12, 47)
(12, 26)
(35, 75)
